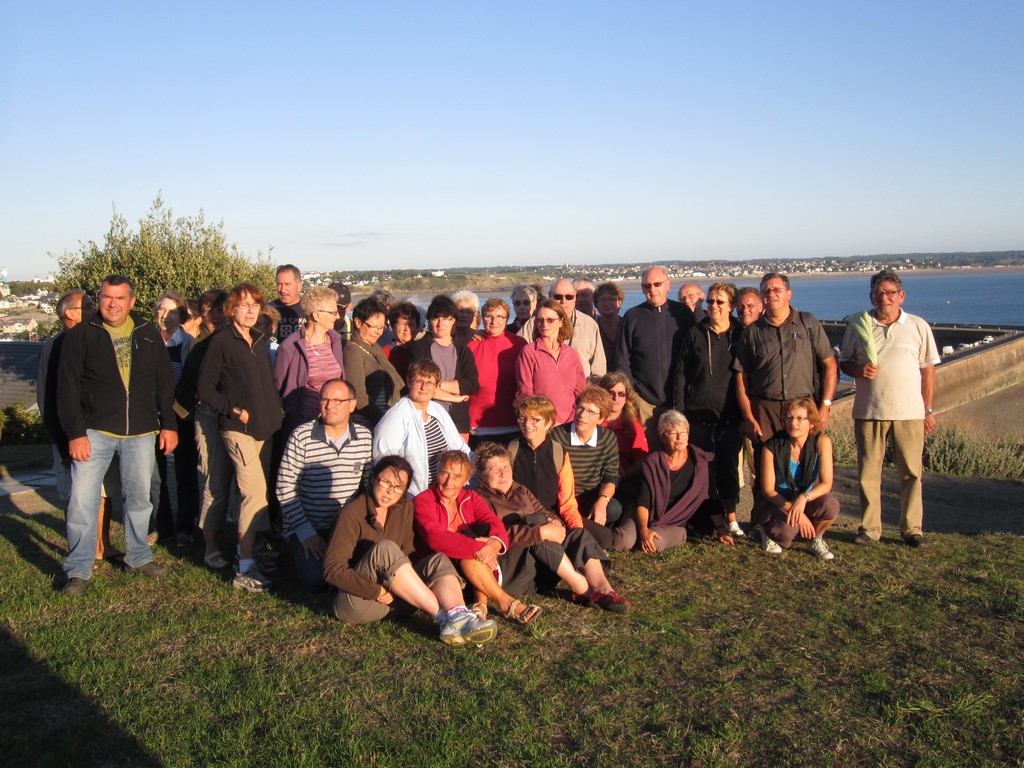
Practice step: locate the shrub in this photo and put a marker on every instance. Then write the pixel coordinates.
(953, 451)
(22, 426)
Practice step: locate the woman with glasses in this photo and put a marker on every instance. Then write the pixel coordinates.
(705, 391)
(549, 366)
(378, 385)
(368, 561)
(491, 412)
(624, 422)
(458, 369)
(677, 490)
(594, 453)
(524, 302)
(406, 323)
(796, 482)
(417, 428)
(237, 383)
(306, 360)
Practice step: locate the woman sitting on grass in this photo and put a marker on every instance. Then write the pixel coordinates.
(368, 561)
(796, 483)
(540, 549)
(676, 491)
(458, 523)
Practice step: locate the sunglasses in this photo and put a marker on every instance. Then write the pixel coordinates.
(563, 296)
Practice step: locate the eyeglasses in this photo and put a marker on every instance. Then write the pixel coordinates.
(563, 296)
(616, 395)
(389, 486)
(524, 303)
(797, 419)
(375, 328)
(250, 307)
(676, 434)
(775, 289)
(718, 302)
(495, 318)
(581, 409)
(546, 320)
(335, 401)
(649, 286)
(886, 294)
(329, 311)
(423, 383)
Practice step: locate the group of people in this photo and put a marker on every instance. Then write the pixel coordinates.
(496, 451)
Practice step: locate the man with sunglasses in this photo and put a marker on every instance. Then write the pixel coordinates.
(586, 336)
(650, 335)
(324, 465)
(895, 396)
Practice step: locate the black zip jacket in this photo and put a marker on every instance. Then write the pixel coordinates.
(705, 387)
(91, 393)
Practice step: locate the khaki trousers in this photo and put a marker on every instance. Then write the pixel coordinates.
(907, 451)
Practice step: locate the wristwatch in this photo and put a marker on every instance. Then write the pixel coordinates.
(826, 402)
(929, 411)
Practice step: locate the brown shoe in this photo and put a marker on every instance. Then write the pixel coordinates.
(75, 587)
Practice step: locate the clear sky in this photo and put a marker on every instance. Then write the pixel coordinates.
(440, 134)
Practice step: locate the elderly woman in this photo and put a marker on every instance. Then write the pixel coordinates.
(418, 428)
(378, 385)
(454, 521)
(306, 360)
(524, 303)
(467, 316)
(406, 323)
(796, 483)
(594, 454)
(677, 490)
(236, 382)
(549, 366)
(458, 369)
(705, 392)
(608, 299)
(540, 549)
(367, 559)
(491, 412)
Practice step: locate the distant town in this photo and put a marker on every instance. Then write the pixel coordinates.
(27, 307)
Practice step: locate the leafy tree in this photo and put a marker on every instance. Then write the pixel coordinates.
(184, 254)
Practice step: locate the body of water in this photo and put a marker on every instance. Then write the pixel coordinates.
(964, 297)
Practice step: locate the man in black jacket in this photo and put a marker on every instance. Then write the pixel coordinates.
(115, 391)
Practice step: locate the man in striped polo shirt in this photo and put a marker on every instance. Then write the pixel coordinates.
(324, 466)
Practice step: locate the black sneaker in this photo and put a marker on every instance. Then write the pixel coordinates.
(75, 587)
(863, 539)
(914, 540)
(150, 570)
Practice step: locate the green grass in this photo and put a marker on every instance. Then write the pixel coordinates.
(888, 656)
(24, 458)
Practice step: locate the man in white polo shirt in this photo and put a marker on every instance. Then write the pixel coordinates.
(895, 371)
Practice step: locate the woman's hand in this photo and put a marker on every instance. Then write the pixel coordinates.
(488, 553)
(385, 597)
(806, 527)
(796, 510)
(647, 539)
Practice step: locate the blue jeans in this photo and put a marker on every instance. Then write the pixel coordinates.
(137, 457)
(309, 570)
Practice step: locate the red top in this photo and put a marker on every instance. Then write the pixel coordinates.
(475, 518)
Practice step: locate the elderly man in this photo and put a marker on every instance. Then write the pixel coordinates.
(584, 295)
(116, 394)
(692, 296)
(289, 301)
(778, 357)
(892, 355)
(748, 305)
(586, 336)
(325, 463)
(650, 335)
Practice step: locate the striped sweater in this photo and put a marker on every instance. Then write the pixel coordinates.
(592, 464)
(316, 479)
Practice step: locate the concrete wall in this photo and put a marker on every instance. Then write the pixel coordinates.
(969, 376)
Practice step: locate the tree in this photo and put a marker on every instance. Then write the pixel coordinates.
(186, 254)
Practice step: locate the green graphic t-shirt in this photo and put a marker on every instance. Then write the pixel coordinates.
(122, 339)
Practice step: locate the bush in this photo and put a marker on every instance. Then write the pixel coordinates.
(22, 426)
(952, 451)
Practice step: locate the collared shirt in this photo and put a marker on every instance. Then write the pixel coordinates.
(904, 348)
(780, 360)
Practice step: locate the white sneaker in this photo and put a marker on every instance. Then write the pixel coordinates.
(820, 549)
(769, 545)
(735, 530)
(251, 581)
(466, 627)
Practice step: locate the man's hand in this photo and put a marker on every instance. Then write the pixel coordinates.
(929, 423)
(314, 548)
(80, 448)
(824, 411)
(167, 440)
(751, 430)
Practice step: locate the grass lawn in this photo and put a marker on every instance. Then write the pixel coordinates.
(886, 657)
(24, 458)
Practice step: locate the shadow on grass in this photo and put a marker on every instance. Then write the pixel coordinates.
(44, 721)
(34, 547)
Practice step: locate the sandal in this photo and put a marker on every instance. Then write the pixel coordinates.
(480, 609)
(216, 561)
(525, 616)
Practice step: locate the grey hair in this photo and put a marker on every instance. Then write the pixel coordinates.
(672, 419)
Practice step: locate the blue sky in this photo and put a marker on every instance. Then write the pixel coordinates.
(415, 135)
